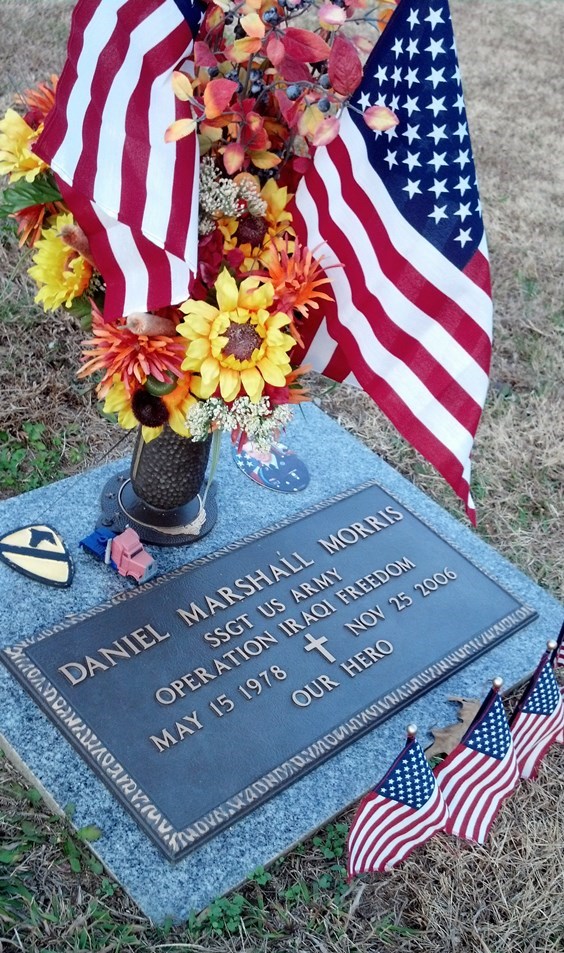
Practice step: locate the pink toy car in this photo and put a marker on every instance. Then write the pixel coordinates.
(126, 553)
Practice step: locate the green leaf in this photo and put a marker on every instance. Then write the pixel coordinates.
(90, 833)
(9, 856)
(81, 309)
(23, 194)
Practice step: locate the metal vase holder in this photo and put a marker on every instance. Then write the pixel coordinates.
(163, 497)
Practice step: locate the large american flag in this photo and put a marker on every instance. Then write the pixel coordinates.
(538, 721)
(480, 773)
(135, 196)
(412, 316)
(404, 810)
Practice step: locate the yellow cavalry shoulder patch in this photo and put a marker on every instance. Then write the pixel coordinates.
(39, 552)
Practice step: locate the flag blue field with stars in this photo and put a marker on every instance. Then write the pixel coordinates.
(430, 170)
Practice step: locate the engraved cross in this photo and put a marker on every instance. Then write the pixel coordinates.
(318, 645)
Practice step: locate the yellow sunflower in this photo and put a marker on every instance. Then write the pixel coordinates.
(16, 158)
(237, 346)
(252, 235)
(170, 408)
(60, 272)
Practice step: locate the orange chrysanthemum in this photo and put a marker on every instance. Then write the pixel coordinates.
(39, 101)
(296, 278)
(31, 220)
(132, 357)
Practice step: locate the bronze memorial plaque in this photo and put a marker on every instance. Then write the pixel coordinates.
(202, 694)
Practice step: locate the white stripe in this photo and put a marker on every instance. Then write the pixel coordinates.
(433, 265)
(96, 36)
(407, 316)
(180, 275)
(108, 183)
(396, 372)
(321, 349)
(191, 249)
(162, 157)
(130, 262)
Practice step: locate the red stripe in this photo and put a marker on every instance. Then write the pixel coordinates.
(399, 343)
(402, 272)
(100, 248)
(478, 271)
(56, 123)
(362, 828)
(533, 735)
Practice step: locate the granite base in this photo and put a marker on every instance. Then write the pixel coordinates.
(336, 461)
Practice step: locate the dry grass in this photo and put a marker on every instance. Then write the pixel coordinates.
(502, 898)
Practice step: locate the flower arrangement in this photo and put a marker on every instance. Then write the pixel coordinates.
(263, 94)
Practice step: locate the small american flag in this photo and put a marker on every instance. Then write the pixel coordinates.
(558, 654)
(404, 810)
(538, 721)
(412, 316)
(134, 195)
(480, 773)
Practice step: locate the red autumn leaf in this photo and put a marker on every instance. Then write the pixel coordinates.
(294, 72)
(300, 164)
(345, 68)
(203, 56)
(288, 109)
(217, 96)
(275, 50)
(304, 46)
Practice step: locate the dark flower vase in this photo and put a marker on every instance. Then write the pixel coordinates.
(162, 497)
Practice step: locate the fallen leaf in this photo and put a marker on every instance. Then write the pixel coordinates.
(447, 738)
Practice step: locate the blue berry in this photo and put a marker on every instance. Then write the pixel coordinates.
(271, 16)
(293, 91)
(324, 105)
(324, 81)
